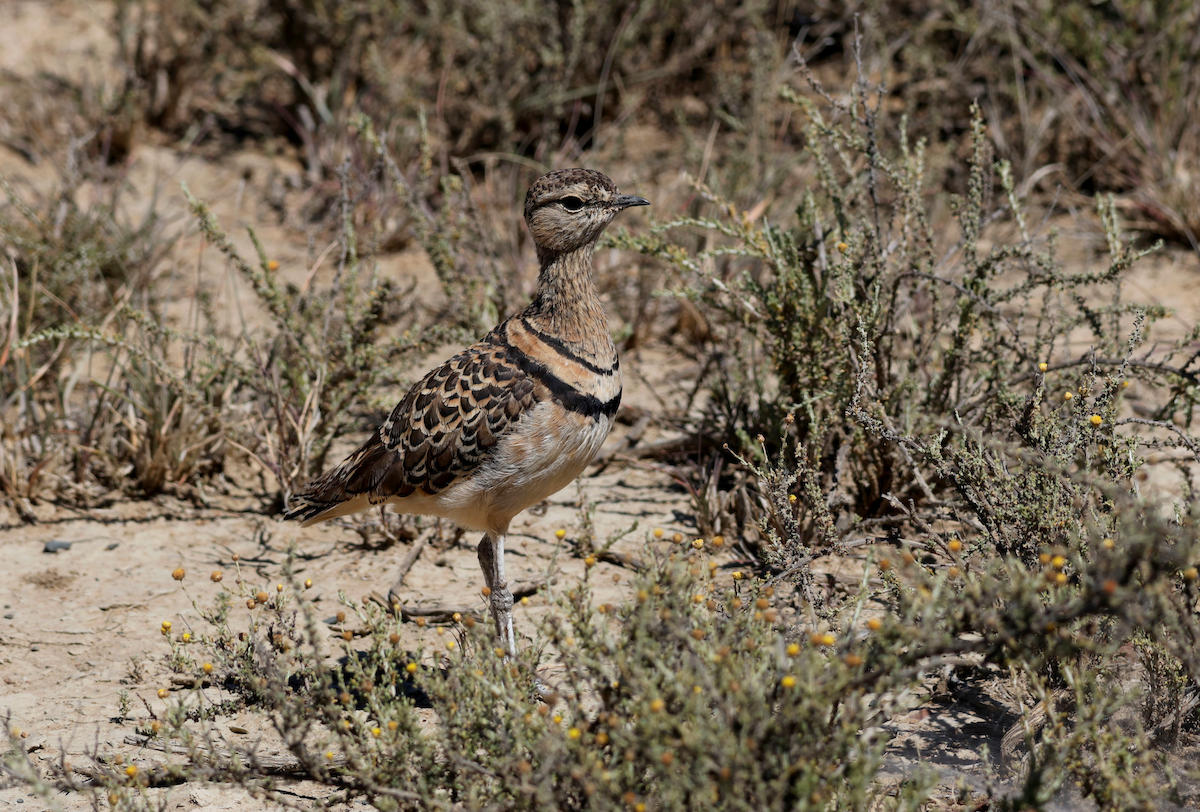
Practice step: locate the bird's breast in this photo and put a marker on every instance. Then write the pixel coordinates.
(544, 452)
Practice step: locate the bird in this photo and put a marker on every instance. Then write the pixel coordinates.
(513, 418)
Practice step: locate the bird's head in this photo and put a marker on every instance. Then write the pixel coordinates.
(569, 208)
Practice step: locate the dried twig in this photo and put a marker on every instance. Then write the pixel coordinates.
(406, 564)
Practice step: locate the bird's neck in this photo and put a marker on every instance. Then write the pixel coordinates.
(567, 304)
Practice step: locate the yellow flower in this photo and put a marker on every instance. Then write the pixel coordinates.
(658, 532)
(1042, 367)
(411, 668)
(560, 534)
(788, 682)
(1068, 395)
(177, 574)
(574, 733)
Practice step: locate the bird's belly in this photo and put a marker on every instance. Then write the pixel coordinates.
(547, 450)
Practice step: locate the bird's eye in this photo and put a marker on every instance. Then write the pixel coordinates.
(571, 203)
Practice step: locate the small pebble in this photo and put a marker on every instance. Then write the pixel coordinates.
(113, 546)
(55, 546)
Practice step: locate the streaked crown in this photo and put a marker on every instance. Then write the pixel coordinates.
(569, 208)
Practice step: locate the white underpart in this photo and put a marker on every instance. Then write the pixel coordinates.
(507, 483)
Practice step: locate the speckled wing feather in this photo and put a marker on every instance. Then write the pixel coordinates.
(441, 431)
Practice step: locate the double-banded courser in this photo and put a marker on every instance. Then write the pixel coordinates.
(511, 419)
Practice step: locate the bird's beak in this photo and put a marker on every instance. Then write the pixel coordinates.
(625, 201)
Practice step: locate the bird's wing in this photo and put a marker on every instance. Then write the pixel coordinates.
(442, 430)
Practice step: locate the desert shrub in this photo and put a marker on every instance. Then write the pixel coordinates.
(668, 702)
(1086, 96)
(523, 76)
(1091, 97)
(71, 270)
(963, 399)
(100, 392)
(702, 691)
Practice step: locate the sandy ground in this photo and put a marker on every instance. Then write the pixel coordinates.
(81, 627)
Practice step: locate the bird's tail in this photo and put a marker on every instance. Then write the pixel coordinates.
(332, 494)
(312, 506)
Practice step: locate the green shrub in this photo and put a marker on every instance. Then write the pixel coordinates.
(920, 394)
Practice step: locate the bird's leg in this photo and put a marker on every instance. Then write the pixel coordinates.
(491, 561)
